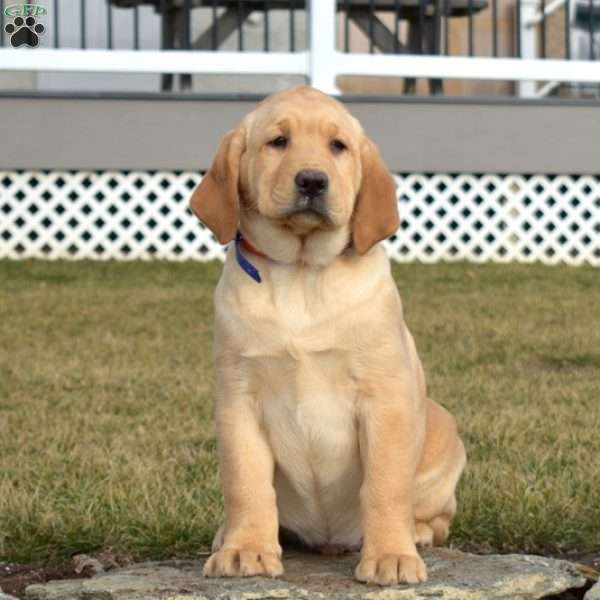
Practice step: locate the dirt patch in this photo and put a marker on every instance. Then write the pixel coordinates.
(589, 560)
(14, 578)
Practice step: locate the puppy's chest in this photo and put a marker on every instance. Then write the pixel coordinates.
(308, 407)
(294, 323)
(299, 360)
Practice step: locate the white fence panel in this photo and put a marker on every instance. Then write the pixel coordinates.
(144, 215)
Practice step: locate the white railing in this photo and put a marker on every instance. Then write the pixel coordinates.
(320, 64)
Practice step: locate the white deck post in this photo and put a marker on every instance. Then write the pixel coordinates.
(528, 35)
(322, 52)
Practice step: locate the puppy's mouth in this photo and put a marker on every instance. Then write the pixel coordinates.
(307, 210)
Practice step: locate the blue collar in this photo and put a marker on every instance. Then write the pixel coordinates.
(246, 265)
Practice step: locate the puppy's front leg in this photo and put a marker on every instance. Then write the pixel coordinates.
(250, 539)
(391, 432)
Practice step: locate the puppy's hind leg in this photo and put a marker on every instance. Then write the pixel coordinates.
(423, 534)
(435, 531)
(437, 477)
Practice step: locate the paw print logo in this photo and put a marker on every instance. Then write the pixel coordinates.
(24, 32)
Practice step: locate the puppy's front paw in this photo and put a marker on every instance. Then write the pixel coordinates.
(242, 562)
(390, 569)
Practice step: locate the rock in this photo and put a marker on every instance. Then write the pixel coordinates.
(453, 575)
(87, 565)
(593, 593)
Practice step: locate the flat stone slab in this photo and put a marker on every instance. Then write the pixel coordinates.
(453, 575)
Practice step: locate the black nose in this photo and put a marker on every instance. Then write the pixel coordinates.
(311, 182)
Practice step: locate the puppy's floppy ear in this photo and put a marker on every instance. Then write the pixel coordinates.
(376, 210)
(216, 200)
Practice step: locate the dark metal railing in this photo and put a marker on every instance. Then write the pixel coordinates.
(427, 29)
(433, 27)
(388, 26)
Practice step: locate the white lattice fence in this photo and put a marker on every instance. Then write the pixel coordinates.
(144, 215)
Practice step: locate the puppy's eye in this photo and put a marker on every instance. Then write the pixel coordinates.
(279, 142)
(337, 146)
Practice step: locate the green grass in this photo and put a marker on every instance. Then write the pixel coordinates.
(106, 439)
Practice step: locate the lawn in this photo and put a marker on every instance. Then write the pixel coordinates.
(106, 440)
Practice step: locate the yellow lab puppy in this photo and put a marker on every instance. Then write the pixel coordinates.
(323, 422)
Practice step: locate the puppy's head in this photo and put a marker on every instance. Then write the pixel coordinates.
(299, 169)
